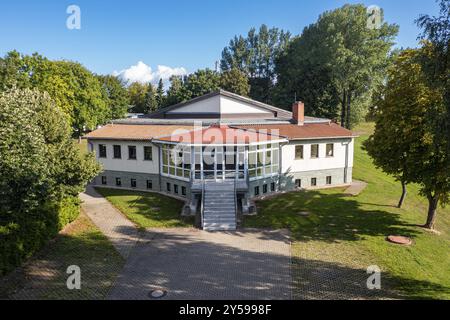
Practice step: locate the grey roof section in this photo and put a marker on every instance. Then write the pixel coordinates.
(206, 122)
(280, 112)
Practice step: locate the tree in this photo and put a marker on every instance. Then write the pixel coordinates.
(42, 172)
(176, 92)
(76, 90)
(235, 81)
(407, 120)
(255, 55)
(151, 100)
(117, 96)
(136, 94)
(160, 94)
(201, 82)
(349, 57)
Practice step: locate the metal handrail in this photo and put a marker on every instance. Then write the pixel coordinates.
(202, 203)
(235, 199)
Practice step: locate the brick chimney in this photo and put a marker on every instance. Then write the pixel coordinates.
(298, 113)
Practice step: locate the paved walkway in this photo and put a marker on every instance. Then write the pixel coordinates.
(356, 188)
(119, 230)
(196, 264)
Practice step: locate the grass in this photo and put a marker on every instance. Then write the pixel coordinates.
(146, 209)
(44, 276)
(349, 232)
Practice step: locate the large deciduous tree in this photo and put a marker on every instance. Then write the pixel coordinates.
(75, 90)
(41, 173)
(406, 142)
(117, 96)
(235, 81)
(340, 54)
(255, 55)
(136, 94)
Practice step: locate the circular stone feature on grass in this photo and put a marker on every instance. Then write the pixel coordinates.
(303, 213)
(157, 293)
(400, 240)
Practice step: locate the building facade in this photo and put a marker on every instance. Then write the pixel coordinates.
(225, 142)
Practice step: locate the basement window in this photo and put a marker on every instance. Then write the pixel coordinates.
(257, 191)
(272, 186)
(103, 179)
(168, 186)
(328, 179)
(265, 188)
(118, 182)
(313, 182)
(133, 183)
(183, 191)
(175, 188)
(149, 184)
(298, 183)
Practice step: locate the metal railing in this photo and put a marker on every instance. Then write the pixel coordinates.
(202, 203)
(235, 200)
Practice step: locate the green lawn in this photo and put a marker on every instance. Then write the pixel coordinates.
(349, 232)
(44, 275)
(148, 209)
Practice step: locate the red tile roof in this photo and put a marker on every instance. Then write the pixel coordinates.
(133, 132)
(306, 131)
(220, 134)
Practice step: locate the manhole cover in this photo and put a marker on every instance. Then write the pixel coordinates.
(400, 240)
(157, 293)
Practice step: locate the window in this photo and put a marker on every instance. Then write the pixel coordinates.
(102, 151)
(132, 152)
(272, 186)
(133, 183)
(118, 182)
(298, 183)
(257, 191)
(330, 150)
(176, 161)
(117, 152)
(313, 182)
(149, 184)
(148, 153)
(263, 160)
(168, 186)
(183, 190)
(328, 179)
(298, 152)
(175, 188)
(314, 151)
(265, 188)
(103, 180)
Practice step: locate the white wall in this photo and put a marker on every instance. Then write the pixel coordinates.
(289, 164)
(210, 105)
(138, 165)
(228, 105)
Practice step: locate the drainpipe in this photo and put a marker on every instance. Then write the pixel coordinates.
(346, 162)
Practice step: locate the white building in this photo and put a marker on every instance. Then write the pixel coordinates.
(221, 150)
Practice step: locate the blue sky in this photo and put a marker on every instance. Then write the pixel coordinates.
(191, 34)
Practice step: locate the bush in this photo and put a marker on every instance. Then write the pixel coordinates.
(22, 238)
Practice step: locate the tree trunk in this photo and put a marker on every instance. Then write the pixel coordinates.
(402, 198)
(347, 122)
(343, 108)
(432, 206)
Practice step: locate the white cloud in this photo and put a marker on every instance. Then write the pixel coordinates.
(143, 73)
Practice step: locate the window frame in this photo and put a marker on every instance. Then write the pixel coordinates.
(149, 183)
(118, 182)
(115, 148)
(328, 180)
(315, 182)
(130, 153)
(100, 153)
(133, 183)
(332, 150)
(256, 191)
(311, 155)
(145, 154)
(104, 180)
(299, 184)
(183, 190)
(299, 146)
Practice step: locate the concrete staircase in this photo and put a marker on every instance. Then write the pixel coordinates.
(219, 206)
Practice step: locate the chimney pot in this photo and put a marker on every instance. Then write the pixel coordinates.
(298, 113)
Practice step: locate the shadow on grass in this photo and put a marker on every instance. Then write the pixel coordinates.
(332, 217)
(314, 279)
(44, 275)
(143, 208)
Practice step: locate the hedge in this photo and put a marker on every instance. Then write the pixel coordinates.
(26, 233)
